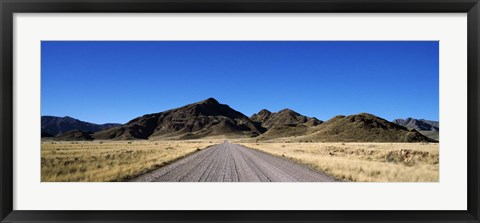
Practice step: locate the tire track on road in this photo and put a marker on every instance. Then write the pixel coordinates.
(228, 162)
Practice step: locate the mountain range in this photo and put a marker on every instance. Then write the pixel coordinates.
(428, 128)
(209, 118)
(52, 125)
(418, 124)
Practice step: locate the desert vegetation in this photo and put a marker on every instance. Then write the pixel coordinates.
(363, 162)
(110, 160)
(358, 147)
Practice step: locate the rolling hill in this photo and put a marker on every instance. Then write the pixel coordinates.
(363, 127)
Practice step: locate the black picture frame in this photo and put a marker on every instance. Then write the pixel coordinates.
(9, 7)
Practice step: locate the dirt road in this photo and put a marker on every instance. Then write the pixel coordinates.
(233, 163)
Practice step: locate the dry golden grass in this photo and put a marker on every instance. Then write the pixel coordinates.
(363, 162)
(110, 160)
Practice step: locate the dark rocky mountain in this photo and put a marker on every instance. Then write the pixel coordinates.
(363, 127)
(418, 124)
(52, 125)
(197, 120)
(285, 117)
(262, 116)
(284, 123)
(74, 135)
(313, 122)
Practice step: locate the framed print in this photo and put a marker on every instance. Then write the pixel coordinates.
(239, 111)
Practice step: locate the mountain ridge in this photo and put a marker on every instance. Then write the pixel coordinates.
(284, 123)
(196, 120)
(209, 118)
(428, 128)
(418, 124)
(55, 125)
(364, 127)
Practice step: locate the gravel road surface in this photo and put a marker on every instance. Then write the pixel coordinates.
(232, 163)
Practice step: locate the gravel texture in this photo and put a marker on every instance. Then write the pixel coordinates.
(233, 163)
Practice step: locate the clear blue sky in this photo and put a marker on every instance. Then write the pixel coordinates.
(106, 81)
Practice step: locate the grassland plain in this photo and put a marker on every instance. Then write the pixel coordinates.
(103, 161)
(96, 161)
(363, 162)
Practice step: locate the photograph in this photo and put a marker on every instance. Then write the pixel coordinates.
(239, 111)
